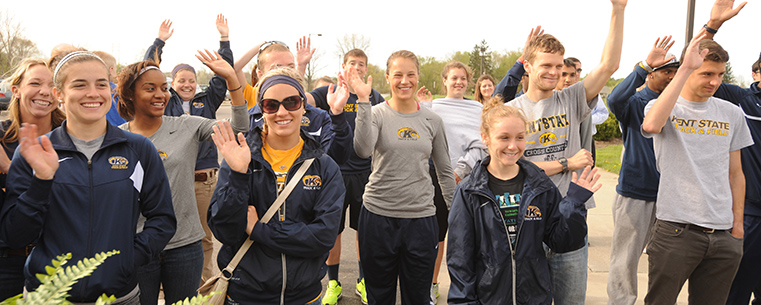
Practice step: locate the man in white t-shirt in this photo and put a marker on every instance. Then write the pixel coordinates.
(697, 139)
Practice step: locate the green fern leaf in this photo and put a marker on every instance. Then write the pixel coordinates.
(104, 299)
(55, 286)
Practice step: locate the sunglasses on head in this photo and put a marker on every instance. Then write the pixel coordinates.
(269, 43)
(291, 103)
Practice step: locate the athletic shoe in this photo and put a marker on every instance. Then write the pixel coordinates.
(361, 292)
(434, 293)
(333, 293)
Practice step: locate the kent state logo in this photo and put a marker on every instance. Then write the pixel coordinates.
(162, 154)
(312, 182)
(548, 138)
(118, 162)
(407, 133)
(305, 121)
(533, 213)
(197, 105)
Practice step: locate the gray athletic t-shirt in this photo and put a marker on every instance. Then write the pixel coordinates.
(692, 155)
(553, 128)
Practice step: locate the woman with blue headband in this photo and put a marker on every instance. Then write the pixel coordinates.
(81, 188)
(143, 95)
(287, 260)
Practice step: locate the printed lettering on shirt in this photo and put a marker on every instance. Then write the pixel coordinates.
(197, 105)
(407, 133)
(509, 204)
(312, 182)
(118, 162)
(547, 123)
(305, 121)
(702, 127)
(350, 108)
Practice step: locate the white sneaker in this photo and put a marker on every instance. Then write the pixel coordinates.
(434, 293)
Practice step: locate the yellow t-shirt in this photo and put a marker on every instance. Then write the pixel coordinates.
(281, 161)
(248, 94)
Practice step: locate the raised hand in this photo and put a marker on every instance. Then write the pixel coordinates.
(238, 156)
(533, 33)
(165, 30)
(216, 63)
(722, 10)
(303, 52)
(361, 88)
(618, 3)
(693, 57)
(39, 153)
(657, 56)
(588, 179)
(251, 218)
(581, 159)
(224, 31)
(338, 98)
(423, 95)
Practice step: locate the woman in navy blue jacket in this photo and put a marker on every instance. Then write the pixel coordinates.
(503, 212)
(81, 188)
(287, 260)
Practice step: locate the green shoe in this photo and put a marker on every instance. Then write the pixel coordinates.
(361, 292)
(332, 293)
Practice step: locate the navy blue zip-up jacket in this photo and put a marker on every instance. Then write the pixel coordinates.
(331, 131)
(90, 207)
(483, 267)
(297, 246)
(639, 176)
(203, 104)
(509, 84)
(749, 101)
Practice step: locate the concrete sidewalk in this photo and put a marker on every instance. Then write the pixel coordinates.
(600, 223)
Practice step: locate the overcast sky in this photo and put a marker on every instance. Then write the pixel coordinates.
(428, 28)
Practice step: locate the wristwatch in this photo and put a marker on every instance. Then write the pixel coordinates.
(564, 163)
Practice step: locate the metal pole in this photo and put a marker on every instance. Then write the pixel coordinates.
(690, 22)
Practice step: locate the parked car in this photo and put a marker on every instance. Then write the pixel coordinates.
(5, 94)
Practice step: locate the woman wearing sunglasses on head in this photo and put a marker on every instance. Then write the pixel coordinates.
(143, 95)
(287, 260)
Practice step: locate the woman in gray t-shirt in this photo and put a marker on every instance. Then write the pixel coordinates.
(397, 224)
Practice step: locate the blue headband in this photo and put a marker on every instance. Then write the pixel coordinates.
(177, 68)
(280, 79)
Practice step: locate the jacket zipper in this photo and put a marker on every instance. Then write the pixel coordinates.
(92, 206)
(513, 267)
(282, 218)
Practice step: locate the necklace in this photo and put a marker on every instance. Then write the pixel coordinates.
(283, 163)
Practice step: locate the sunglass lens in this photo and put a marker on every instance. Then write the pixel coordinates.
(270, 105)
(292, 103)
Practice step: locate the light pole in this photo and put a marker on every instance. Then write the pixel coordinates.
(690, 22)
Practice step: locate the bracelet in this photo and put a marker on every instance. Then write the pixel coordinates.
(710, 29)
(236, 89)
(643, 64)
(225, 36)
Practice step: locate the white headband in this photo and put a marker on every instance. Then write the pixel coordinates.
(70, 56)
(145, 69)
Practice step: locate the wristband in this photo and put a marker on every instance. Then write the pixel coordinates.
(710, 29)
(236, 89)
(224, 36)
(643, 64)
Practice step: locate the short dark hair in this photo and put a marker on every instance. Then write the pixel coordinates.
(715, 52)
(757, 66)
(568, 62)
(355, 53)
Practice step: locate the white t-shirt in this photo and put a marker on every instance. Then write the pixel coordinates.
(692, 155)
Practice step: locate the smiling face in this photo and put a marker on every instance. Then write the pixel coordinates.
(506, 140)
(35, 93)
(544, 71)
(568, 77)
(704, 81)
(151, 94)
(357, 63)
(456, 82)
(85, 93)
(402, 77)
(487, 88)
(184, 83)
(283, 125)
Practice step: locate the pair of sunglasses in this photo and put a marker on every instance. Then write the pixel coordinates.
(291, 103)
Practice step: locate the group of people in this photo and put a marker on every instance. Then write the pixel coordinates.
(97, 161)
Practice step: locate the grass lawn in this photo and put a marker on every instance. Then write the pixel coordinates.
(609, 157)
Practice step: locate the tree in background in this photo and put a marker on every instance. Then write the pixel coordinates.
(729, 76)
(379, 78)
(14, 47)
(313, 66)
(430, 74)
(350, 42)
(480, 60)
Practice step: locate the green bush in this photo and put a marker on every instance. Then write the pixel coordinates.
(608, 129)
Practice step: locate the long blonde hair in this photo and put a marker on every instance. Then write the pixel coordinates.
(14, 109)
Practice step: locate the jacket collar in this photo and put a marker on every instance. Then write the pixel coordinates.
(312, 148)
(62, 140)
(535, 177)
